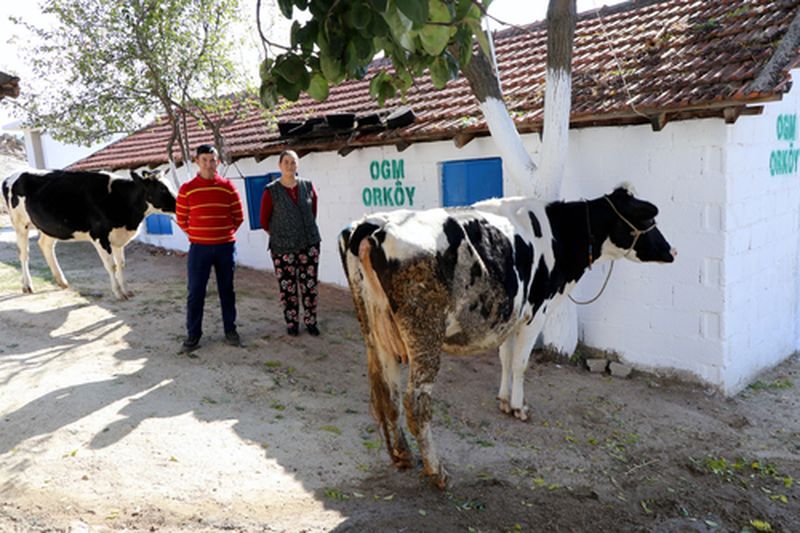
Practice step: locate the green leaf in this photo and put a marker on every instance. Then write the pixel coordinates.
(462, 8)
(415, 10)
(435, 37)
(379, 5)
(475, 26)
(365, 48)
(264, 70)
(287, 89)
(290, 67)
(463, 41)
(439, 73)
(360, 15)
(286, 8)
(350, 57)
(318, 88)
(331, 68)
(400, 28)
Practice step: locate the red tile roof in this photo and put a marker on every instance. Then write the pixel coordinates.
(636, 62)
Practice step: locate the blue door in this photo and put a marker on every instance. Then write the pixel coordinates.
(255, 189)
(471, 180)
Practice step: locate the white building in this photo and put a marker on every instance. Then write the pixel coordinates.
(45, 152)
(720, 162)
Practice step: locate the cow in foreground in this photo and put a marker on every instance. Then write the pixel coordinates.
(467, 280)
(103, 208)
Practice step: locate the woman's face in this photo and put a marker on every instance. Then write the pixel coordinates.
(288, 165)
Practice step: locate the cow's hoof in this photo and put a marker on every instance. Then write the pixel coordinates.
(504, 406)
(439, 479)
(401, 459)
(63, 284)
(129, 294)
(27, 290)
(521, 413)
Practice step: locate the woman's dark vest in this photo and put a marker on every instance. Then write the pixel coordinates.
(292, 227)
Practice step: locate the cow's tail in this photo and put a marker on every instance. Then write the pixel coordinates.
(385, 346)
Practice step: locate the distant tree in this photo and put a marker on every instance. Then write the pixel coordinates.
(108, 65)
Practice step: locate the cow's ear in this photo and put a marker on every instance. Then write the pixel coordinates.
(135, 176)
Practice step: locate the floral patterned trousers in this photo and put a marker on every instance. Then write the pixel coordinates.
(293, 270)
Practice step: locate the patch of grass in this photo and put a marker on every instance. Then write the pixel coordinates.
(778, 384)
(742, 471)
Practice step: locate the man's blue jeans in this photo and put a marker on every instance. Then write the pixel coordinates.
(201, 258)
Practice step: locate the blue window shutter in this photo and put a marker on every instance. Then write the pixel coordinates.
(158, 224)
(471, 180)
(254, 186)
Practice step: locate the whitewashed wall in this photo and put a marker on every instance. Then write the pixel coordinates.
(725, 310)
(660, 316)
(762, 226)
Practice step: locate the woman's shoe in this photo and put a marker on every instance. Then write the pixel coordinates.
(313, 330)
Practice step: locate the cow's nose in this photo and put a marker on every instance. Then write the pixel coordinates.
(673, 252)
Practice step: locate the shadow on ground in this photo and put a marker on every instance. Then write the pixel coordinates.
(105, 377)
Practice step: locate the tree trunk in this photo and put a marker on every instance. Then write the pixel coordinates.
(561, 15)
(560, 332)
(485, 86)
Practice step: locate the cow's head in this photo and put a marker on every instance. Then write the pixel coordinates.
(158, 193)
(633, 233)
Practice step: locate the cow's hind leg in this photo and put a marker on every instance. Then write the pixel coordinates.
(424, 366)
(108, 262)
(118, 253)
(48, 246)
(385, 394)
(24, 258)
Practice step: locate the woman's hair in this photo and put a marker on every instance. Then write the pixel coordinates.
(285, 153)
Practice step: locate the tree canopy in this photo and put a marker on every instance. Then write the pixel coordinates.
(342, 37)
(107, 65)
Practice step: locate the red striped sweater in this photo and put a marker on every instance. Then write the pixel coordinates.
(209, 211)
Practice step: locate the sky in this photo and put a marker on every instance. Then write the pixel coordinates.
(11, 60)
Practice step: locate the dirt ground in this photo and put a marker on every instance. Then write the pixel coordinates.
(104, 426)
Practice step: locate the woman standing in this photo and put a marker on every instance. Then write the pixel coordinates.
(289, 216)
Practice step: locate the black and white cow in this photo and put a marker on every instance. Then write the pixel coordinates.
(467, 280)
(103, 208)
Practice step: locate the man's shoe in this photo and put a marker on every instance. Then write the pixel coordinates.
(190, 344)
(313, 330)
(232, 338)
(294, 331)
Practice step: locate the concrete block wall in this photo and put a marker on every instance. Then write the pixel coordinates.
(659, 316)
(762, 222)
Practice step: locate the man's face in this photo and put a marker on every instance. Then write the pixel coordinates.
(207, 165)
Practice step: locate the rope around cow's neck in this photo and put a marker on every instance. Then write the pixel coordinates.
(602, 289)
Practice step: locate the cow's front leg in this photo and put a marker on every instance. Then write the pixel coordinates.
(24, 258)
(48, 246)
(522, 345)
(504, 394)
(108, 262)
(419, 412)
(118, 254)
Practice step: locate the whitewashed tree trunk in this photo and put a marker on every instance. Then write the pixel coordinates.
(561, 329)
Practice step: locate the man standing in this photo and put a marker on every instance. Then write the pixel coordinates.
(209, 210)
